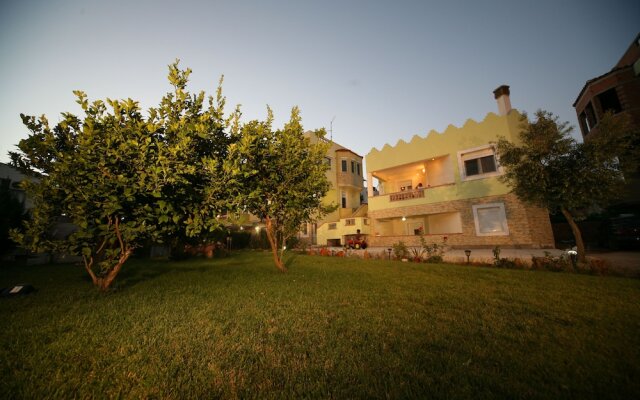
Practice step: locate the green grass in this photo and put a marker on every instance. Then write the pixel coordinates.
(330, 328)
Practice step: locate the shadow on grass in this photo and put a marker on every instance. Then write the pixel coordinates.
(290, 259)
(148, 270)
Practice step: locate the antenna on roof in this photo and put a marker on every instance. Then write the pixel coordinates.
(331, 128)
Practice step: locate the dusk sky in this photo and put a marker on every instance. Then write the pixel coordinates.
(384, 70)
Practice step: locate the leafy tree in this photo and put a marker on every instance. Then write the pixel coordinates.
(280, 177)
(124, 179)
(550, 169)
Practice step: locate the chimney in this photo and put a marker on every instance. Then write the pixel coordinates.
(502, 97)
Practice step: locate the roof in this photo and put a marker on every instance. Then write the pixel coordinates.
(597, 78)
(350, 151)
(629, 54)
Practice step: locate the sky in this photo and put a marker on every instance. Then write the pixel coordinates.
(380, 70)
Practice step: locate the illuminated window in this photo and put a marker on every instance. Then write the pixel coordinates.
(490, 219)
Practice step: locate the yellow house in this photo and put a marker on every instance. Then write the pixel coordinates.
(345, 174)
(445, 186)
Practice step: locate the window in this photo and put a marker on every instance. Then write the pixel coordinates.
(482, 165)
(327, 160)
(303, 230)
(478, 163)
(353, 167)
(584, 126)
(490, 219)
(333, 225)
(350, 221)
(343, 197)
(609, 101)
(591, 116)
(358, 168)
(344, 165)
(365, 221)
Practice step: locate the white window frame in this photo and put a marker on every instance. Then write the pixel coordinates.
(502, 213)
(475, 153)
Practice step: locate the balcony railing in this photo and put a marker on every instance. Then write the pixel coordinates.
(407, 195)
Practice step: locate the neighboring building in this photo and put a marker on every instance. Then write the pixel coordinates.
(618, 91)
(14, 177)
(345, 174)
(445, 186)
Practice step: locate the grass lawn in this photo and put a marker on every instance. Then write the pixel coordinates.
(330, 328)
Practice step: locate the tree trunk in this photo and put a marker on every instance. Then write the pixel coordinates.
(104, 283)
(273, 243)
(582, 257)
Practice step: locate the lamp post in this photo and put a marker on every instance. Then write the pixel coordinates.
(389, 251)
(468, 254)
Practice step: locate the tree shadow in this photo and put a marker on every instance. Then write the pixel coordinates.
(290, 259)
(144, 271)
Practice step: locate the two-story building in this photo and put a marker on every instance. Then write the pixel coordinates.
(345, 173)
(445, 186)
(616, 91)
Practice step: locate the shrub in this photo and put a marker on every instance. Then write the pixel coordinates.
(303, 244)
(552, 263)
(435, 251)
(594, 266)
(505, 263)
(400, 250)
(417, 252)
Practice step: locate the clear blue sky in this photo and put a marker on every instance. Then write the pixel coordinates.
(384, 70)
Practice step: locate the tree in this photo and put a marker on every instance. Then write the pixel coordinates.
(124, 179)
(550, 169)
(280, 177)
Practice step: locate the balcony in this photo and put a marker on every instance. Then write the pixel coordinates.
(407, 195)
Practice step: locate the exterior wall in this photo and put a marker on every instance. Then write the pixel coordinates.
(529, 226)
(449, 142)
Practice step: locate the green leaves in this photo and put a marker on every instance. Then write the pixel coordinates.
(278, 175)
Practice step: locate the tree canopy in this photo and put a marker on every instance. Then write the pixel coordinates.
(552, 170)
(280, 177)
(122, 178)
(125, 179)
